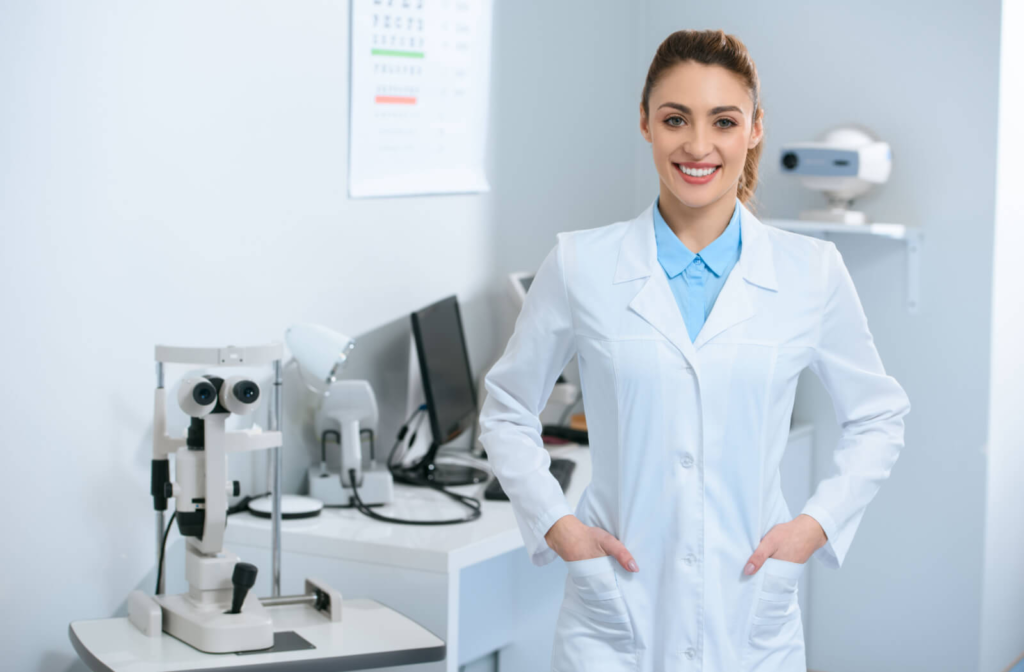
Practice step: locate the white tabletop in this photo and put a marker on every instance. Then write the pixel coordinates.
(350, 535)
(370, 635)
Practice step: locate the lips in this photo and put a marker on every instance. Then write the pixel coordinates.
(697, 173)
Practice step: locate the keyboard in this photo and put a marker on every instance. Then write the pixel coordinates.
(566, 434)
(561, 469)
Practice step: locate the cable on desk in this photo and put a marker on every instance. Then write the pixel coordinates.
(471, 502)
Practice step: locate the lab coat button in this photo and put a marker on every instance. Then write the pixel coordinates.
(687, 460)
(690, 559)
(690, 653)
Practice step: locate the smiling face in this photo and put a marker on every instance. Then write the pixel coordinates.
(700, 129)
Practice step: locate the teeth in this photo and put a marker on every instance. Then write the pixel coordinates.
(701, 172)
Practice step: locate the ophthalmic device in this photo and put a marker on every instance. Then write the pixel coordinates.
(219, 613)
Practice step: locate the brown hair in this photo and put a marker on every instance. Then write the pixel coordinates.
(712, 47)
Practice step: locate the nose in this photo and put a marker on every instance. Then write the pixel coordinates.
(697, 143)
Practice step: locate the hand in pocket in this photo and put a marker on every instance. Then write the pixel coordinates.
(573, 541)
(795, 541)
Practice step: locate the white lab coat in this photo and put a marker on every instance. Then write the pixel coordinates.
(686, 440)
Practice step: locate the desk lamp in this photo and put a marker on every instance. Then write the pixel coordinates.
(347, 409)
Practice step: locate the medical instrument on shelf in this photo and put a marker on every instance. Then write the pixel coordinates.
(845, 164)
(219, 613)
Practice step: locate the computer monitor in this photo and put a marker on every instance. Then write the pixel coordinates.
(447, 388)
(519, 284)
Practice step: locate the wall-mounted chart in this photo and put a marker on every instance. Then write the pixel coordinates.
(418, 97)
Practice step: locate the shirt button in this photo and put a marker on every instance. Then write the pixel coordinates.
(687, 460)
(690, 653)
(690, 559)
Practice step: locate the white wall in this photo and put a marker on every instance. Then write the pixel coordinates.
(1003, 600)
(152, 153)
(154, 157)
(565, 110)
(170, 173)
(923, 75)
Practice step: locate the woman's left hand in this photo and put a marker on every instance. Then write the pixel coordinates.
(795, 541)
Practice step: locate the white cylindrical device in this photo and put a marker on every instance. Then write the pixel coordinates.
(197, 397)
(239, 395)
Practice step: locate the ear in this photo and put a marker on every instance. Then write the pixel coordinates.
(645, 128)
(757, 132)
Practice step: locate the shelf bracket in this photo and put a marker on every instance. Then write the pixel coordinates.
(912, 237)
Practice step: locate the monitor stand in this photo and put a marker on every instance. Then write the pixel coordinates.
(427, 471)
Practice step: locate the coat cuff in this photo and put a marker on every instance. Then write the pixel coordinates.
(533, 535)
(827, 554)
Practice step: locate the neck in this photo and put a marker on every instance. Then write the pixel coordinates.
(696, 228)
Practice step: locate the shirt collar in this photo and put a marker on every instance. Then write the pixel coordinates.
(674, 257)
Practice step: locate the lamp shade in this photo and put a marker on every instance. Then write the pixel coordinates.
(319, 350)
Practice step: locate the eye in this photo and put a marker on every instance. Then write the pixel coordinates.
(670, 120)
(730, 122)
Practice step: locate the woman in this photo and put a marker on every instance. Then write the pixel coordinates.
(682, 553)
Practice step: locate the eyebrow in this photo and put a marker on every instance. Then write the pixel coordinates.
(714, 110)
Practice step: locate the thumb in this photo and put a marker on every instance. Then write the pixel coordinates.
(616, 549)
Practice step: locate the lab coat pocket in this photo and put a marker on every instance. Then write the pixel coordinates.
(776, 619)
(594, 632)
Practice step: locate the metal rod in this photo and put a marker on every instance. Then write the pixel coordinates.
(276, 511)
(288, 600)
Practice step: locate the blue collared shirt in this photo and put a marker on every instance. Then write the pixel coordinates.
(696, 279)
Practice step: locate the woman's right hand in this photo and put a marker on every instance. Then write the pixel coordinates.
(572, 540)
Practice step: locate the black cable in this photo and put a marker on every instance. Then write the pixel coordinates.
(412, 442)
(471, 502)
(163, 546)
(239, 507)
(242, 505)
(402, 432)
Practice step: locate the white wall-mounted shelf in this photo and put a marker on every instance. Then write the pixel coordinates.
(911, 235)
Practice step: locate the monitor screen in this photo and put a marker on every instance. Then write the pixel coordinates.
(444, 367)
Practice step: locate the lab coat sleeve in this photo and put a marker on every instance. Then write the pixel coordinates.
(518, 387)
(869, 407)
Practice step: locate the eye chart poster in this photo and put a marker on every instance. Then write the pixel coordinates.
(419, 93)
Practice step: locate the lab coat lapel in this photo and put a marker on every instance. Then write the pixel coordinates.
(754, 271)
(654, 302)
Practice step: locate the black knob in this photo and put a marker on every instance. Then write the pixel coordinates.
(236, 488)
(790, 160)
(243, 578)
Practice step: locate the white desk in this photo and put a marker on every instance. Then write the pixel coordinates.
(349, 535)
